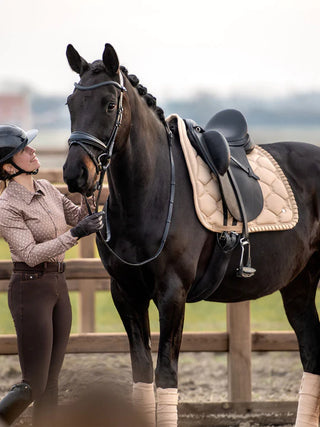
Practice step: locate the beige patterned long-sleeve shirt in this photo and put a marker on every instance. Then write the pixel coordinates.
(35, 225)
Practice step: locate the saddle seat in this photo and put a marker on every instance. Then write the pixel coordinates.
(233, 126)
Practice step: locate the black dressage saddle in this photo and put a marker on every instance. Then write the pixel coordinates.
(224, 144)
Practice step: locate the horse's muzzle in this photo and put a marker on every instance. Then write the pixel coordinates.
(76, 179)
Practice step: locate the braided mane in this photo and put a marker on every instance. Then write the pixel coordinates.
(150, 99)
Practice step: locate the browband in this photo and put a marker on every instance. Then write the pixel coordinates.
(106, 83)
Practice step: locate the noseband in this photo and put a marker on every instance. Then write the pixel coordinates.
(86, 140)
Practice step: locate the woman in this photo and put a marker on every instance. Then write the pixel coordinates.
(34, 220)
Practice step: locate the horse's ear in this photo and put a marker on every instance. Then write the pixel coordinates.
(110, 59)
(76, 62)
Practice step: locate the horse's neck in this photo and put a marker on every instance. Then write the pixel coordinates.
(139, 174)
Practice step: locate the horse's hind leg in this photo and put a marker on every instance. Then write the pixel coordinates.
(299, 303)
(135, 318)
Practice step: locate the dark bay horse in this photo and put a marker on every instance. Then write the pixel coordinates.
(157, 246)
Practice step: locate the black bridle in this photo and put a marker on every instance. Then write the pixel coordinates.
(102, 162)
(86, 140)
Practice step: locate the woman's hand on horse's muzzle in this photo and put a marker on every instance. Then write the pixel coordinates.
(90, 224)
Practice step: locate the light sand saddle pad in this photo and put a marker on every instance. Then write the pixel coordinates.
(280, 211)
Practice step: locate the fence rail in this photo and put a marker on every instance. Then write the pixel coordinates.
(87, 275)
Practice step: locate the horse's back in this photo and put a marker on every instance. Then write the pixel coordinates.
(296, 159)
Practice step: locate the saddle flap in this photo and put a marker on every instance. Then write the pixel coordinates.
(247, 183)
(229, 195)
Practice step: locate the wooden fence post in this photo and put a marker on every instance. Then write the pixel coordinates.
(86, 246)
(86, 306)
(86, 289)
(239, 354)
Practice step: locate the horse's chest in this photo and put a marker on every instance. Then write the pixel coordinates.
(132, 280)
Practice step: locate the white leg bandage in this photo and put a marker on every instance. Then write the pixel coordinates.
(167, 408)
(308, 405)
(144, 400)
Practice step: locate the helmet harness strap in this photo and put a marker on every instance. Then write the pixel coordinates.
(20, 170)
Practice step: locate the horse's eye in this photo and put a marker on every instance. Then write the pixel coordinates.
(111, 106)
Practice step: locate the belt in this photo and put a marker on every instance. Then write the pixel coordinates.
(58, 267)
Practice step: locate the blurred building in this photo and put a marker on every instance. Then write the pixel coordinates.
(15, 108)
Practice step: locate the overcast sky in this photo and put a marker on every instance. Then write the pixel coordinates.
(175, 47)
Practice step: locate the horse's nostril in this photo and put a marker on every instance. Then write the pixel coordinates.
(76, 179)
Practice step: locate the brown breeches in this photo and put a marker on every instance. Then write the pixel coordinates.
(40, 307)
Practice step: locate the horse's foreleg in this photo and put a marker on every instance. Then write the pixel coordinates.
(299, 303)
(144, 400)
(134, 315)
(171, 307)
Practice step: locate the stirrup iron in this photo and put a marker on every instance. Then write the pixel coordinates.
(245, 271)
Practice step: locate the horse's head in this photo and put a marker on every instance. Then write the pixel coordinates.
(97, 106)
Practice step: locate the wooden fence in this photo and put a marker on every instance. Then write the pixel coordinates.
(87, 275)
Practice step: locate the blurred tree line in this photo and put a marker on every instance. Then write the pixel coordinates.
(293, 110)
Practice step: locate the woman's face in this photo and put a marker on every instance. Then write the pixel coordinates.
(26, 159)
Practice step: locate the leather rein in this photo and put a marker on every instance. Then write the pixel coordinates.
(102, 162)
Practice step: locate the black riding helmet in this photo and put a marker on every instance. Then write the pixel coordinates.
(13, 139)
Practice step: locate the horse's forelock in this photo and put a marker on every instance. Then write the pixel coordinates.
(97, 67)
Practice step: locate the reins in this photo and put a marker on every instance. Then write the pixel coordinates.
(168, 220)
(86, 140)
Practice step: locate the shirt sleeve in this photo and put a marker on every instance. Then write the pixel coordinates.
(74, 213)
(21, 242)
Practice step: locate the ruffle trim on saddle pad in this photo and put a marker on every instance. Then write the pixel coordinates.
(280, 211)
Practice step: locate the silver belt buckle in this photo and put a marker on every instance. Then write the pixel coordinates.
(60, 267)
